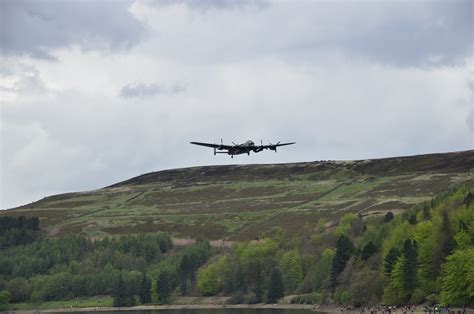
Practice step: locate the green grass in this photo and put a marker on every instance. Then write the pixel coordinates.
(241, 202)
(98, 301)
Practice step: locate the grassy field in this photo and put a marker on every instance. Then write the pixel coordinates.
(102, 301)
(245, 202)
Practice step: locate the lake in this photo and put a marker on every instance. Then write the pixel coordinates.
(209, 311)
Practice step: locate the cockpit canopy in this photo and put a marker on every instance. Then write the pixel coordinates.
(249, 143)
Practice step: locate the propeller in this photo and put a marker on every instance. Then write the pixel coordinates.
(274, 146)
(234, 144)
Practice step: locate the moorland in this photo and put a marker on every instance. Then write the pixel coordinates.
(395, 231)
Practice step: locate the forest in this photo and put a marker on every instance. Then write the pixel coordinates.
(424, 255)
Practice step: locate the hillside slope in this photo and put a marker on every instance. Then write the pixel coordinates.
(242, 202)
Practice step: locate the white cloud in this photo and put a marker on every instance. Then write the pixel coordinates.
(249, 72)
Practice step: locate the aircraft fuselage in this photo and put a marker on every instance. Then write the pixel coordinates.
(238, 149)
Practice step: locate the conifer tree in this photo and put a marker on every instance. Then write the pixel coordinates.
(368, 250)
(130, 299)
(119, 293)
(388, 217)
(390, 260)
(276, 290)
(145, 287)
(344, 248)
(410, 266)
(164, 286)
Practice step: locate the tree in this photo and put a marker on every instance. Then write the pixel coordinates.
(164, 286)
(394, 292)
(276, 290)
(426, 212)
(256, 272)
(388, 217)
(344, 248)
(390, 260)
(368, 250)
(365, 287)
(191, 259)
(468, 199)
(448, 243)
(457, 279)
(426, 236)
(412, 219)
(403, 275)
(186, 267)
(4, 297)
(119, 293)
(322, 274)
(130, 298)
(145, 287)
(410, 266)
(19, 288)
(133, 280)
(208, 281)
(291, 270)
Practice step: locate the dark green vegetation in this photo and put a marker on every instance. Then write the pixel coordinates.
(17, 230)
(368, 249)
(71, 267)
(245, 202)
(425, 254)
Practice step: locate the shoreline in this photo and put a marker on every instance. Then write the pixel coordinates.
(282, 306)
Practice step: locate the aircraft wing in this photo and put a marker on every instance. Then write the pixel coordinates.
(273, 146)
(218, 146)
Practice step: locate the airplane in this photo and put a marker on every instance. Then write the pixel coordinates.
(245, 148)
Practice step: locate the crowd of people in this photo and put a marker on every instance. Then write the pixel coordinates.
(406, 309)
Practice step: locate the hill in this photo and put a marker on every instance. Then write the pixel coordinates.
(243, 202)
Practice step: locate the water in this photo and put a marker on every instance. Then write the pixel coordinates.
(210, 311)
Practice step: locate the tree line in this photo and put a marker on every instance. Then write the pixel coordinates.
(422, 255)
(18, 230)
(74, 266)
(425, 254)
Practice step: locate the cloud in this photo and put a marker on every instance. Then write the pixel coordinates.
(211, 4)
(343, 80)
(333, 109)
(419, 33)
(35, 28)
(16, 78)
(470, 120)
(142, 90)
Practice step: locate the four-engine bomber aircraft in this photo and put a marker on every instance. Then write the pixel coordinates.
(244, 148)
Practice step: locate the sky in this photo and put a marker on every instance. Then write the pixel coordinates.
(96, 92)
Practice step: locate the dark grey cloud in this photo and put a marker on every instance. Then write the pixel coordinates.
(34, 28)
(142, 90)
(400, 33)
(212, 4)
(419, 33)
